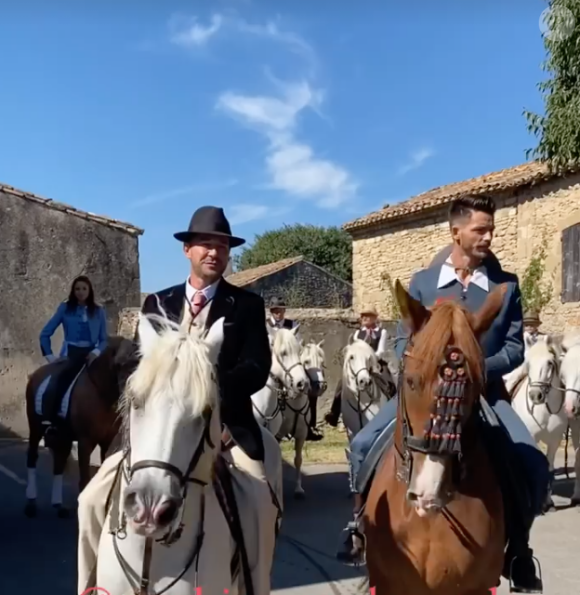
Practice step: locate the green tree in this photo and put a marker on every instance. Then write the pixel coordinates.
(558, 130)
(327, 247)
(535, 292)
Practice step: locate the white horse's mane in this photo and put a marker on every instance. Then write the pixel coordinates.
(178, 365)
(571, 339)
(285, 340)
(361, 346)
(313, 349)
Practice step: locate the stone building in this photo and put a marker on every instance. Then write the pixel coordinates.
(533, 204)
(43, 246)
(301, 283)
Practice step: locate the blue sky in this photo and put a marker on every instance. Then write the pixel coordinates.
(279, 111)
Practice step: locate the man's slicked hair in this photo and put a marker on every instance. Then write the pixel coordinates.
(461, 208)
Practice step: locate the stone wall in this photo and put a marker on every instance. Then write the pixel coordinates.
(403, 247)
(41, 250)
(304, 285)
(333, 325)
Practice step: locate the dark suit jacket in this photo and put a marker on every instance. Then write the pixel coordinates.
(245, 359)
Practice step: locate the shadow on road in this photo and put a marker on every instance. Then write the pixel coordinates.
(311, 528)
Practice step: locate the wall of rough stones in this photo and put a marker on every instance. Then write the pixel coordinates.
(41, 250)
(523, 218)
(334, 326)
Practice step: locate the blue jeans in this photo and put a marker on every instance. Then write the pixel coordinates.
(533, 460)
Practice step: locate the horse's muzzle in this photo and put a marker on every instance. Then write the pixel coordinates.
(537, 395)
(149, 513)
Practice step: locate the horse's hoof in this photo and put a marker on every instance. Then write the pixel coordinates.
(575, 501)
(30, 509)
(299, 495)
(62, 512)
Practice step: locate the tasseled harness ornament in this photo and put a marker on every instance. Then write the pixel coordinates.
(442, 433)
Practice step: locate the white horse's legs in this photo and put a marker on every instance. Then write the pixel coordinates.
(575, 432)
(551, 456)
(298, 446)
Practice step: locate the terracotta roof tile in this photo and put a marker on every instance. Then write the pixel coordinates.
(498, 181)
(64, 208)
(248, 276)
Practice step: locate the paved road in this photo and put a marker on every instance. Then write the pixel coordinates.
(38, 555)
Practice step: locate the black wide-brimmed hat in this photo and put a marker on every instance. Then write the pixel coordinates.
(209, 221)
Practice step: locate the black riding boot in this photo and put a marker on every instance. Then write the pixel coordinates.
(332, 417)
(520, 567)
(351, 548)
(313, 434)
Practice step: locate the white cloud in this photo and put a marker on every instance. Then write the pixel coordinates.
(291, 164)
(417, 159)
(187, 32)
(244, 213)
(183, 191)
(193, 33)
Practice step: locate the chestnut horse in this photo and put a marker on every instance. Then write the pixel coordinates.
(434, 517)
(92, 418)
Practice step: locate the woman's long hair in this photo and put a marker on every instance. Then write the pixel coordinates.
(72, 302)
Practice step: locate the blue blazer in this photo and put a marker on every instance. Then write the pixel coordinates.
(70, 323)
(503, 343)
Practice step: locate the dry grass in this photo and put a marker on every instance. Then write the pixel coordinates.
(329, 450)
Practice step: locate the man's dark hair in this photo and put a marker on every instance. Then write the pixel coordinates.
(461, 208)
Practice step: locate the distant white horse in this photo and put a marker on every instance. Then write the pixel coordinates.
(570, 374)
(539, 399)
(168, 532)
(366, 385)
(282, 405)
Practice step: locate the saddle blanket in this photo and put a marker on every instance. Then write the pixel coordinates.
(65, 401)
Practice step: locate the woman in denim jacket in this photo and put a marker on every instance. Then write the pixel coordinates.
(85, 337)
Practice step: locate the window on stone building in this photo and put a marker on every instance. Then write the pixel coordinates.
(571, 264)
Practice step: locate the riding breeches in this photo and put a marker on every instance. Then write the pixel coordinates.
(533, 461)
(257, 514)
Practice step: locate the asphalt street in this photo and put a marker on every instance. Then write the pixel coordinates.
(39, 555)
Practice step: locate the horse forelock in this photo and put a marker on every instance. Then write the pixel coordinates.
(449, 324)
(314, 352)
(177, 367)
(285, 340)
(360, 349)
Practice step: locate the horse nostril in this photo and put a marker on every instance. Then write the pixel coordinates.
(133, 507)
(166, 512)
(411, 496)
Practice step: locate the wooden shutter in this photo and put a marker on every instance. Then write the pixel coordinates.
(571, 264)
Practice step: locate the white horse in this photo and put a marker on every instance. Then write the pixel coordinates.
(366, 385)
(167, 532)
(540, 397)
(570, 374)
(282, 405)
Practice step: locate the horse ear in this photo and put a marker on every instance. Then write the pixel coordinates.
(294, 331)
(527, 341)
(320, 344)
(214, 339)
(147, 334)
(484, 317)
(413, 313)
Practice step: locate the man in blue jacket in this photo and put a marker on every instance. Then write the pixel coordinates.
(467, 274)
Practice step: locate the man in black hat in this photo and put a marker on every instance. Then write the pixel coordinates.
(243, 368)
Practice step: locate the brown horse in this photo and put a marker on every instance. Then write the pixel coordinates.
(92, 418)
(434, 518)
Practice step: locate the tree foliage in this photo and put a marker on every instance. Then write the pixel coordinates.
(558, 130)
(327, 247)
(535, 292)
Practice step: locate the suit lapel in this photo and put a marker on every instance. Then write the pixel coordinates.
(221, 304)
(174, 301)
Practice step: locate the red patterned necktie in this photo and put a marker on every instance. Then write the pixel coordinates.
(198, 303)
